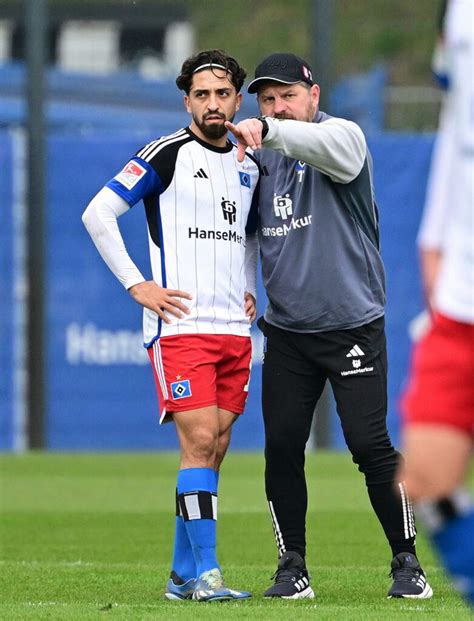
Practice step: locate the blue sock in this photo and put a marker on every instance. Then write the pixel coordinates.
(450, 525)
(197, 495)
(183, 558)
(454, 542)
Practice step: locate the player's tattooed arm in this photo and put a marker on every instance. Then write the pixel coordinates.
(160, 300)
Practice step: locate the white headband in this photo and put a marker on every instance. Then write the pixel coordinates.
(212, 66)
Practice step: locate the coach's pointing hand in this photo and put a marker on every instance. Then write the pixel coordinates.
(248, 134)
(160, 300)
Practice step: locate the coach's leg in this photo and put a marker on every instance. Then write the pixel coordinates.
(290, 391)
(361, 399)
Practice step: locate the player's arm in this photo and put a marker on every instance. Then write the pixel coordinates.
(250, 265)
(335, 147)
(436, 212)
(251, 257)
(100, 219)
(430, 264)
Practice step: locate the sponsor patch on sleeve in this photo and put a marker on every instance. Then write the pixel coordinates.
(131, 175)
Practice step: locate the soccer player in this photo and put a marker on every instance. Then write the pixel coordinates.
(199, 305)
(324, 277)
(438, 405)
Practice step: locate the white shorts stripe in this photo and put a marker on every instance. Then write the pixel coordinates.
(160, 374)
(159, 368)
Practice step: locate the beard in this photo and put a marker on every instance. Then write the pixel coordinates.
(213, 131)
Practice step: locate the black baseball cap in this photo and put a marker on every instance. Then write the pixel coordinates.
(281, 67)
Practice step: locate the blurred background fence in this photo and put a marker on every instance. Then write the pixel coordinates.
(109, 88)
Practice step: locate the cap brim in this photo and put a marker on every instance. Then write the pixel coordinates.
(254, 84)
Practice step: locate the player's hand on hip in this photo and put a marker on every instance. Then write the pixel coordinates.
(248, 133)
(250, 306)
(160, 300)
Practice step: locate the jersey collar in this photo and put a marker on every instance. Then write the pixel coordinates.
(228, 147)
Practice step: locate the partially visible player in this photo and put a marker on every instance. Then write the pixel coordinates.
(198, 307)
(438, 404)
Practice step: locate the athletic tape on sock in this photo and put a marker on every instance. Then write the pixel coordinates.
(198, 505)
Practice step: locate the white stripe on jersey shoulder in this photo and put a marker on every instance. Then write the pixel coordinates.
(153, 143)
(152, 148)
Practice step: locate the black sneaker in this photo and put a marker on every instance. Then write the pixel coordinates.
(408, 578)
(291, 579)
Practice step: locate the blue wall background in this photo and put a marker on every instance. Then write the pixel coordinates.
(100, 389)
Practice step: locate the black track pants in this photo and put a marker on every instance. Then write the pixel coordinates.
(295, 370)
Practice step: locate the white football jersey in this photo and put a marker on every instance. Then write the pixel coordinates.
(199, 208)
(448, 218)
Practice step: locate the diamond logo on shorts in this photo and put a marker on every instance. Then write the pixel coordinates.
(181, 389)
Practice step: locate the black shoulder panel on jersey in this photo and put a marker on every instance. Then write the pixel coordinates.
(253, 158)
(151, 203)
(162, 155)
(252, 219)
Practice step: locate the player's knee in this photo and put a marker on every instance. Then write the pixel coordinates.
(423, 486)
(202, 446)
(378, 463)
(366, 449)
(416, 486)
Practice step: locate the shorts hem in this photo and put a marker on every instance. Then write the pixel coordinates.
(195, 406)
(168, 416)
(458, 426)
(232, 408)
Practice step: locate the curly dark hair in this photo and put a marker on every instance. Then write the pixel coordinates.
(219, 57)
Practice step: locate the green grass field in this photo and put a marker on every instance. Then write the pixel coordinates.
(88, 536)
